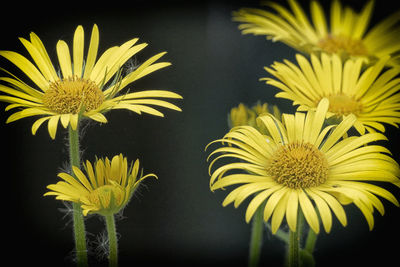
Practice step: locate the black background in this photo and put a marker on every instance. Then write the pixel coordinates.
(175, 220)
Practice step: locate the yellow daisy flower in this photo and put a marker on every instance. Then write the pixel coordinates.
(85, 87)
(371, 95)
(346, 33)
(304, 164)
(105, 189)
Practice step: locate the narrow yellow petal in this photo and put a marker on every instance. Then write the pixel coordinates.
(73, 120)
(309, 212)
(35, 40)
(238, 179)
(318, 18)
(64, 59)
(288, 120)
(64, 120)
(273, 201)
(92, 52)
(319, 119)
(279, 212)
(82, 178)
(324, 211)
(363, 20)
(338, 132)
(258, 200)
(275, 128)
(78, 45)
(42, 64)
(334, 204)
(52, 125)
(98, 117)
(39, 122)
(78, 188)
(249, 189)
(91, 174)
(27, 67)
(291, 210)
(366, 212)
(299, 119)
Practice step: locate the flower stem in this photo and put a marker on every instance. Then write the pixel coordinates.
(310, 241)
(256, 237)
(79, 224)
(112, 241)
(294, 243)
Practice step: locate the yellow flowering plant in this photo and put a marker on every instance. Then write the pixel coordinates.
(345, 32)
(105, 189)
(309, 166)
(84, 87)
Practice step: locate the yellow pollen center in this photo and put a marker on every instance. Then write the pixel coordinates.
(71, 95)
(339, 44)
(344, 105)
(298, 165)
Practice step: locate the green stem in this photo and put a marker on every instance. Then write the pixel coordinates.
(256, 237)
(310, 241)
(294, 243)
(79, 224)
(112, 241)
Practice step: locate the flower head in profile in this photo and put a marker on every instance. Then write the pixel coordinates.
(105, 189)
(346, 32)
(304, 165)
(372, 95)
(84, 87)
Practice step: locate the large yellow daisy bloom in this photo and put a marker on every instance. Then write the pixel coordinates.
(85, 87)
(346, 33)
(303, 164)
(105, 189)
(371, 95)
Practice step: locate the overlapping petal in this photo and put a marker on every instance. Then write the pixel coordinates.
(353, 163)
(344, 31)
(371, 94)
(105, 72)
(105, 187)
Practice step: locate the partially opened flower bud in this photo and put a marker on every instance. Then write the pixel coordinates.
(105, 189)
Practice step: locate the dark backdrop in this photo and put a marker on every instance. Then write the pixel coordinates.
(175, 220)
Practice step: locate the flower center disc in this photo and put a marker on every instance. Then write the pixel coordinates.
(71, 95)
(298, 165)
(338, 44)
(344, 105)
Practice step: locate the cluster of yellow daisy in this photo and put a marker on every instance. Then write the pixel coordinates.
(308, 165)
(84, 88)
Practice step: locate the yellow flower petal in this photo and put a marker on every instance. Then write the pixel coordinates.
(82, 178)
(258, 200)
(27, 67)
(52, 125)
(64, 59)
(78, 45)
(309, 212)
(323, 209)
(279, 212)
(272, 202)
(65, 120)
(291, 210)
(46, 69)
(92, 52)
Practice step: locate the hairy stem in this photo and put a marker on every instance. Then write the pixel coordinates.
(79, 224)
(112, 241)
